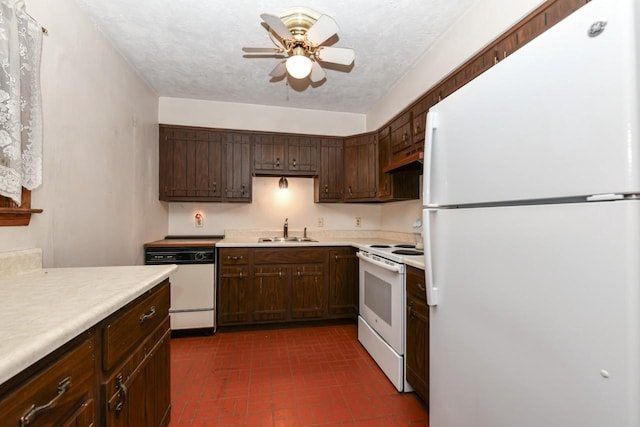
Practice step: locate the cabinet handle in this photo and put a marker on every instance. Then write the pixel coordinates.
(240, 274)
(122, 389)
(417, 128)
(277, 162)
(235, 258)
(242, 189)
(405, 137)
(148, 315)
(34, 411)
(279, 273)
(294, 163)
(350, 192)
(298, 271)
(215, 186)
(411, 309)
(326, 189)
(422, 287)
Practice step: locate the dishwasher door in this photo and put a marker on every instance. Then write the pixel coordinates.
(193, 297)
(192, 284)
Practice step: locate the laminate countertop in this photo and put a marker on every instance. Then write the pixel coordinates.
(46, 308)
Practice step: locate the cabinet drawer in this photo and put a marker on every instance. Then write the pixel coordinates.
(415, 283)
(125, 331)
(234, 256)
(289, 255)
(54, 395)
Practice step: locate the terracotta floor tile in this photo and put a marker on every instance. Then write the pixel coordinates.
(311, 376)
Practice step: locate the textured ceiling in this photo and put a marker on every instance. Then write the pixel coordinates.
(193, 48)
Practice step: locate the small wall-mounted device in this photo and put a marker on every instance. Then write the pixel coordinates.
(199, 218)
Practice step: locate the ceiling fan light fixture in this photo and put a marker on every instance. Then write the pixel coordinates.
(299, 66)
(283, 183)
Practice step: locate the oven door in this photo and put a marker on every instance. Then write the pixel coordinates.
(381, 299)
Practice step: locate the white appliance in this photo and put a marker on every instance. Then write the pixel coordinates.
(381, 322)
(532, 233)
(192, 284)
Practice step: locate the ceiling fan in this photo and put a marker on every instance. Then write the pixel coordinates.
(301, 33)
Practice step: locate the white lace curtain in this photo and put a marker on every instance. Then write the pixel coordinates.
(20, 102)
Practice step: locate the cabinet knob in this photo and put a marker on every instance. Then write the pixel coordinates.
(242, 187)
(279, 273)
(293, 164)
(215, 186)
(405, 137)
(350, 192)
(277, 162)
(326, 189)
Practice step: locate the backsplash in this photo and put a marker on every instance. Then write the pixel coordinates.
(14, 263)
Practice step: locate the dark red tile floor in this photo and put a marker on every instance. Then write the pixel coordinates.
(310, 376)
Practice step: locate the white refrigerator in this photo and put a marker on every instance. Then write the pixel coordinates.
(532, 233)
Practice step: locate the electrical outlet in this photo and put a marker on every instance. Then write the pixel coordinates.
(199, 219)
(320, 222)
(358, 222)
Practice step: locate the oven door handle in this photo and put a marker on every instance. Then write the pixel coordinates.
(393, 268)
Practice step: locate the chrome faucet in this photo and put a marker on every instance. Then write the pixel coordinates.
(286, 228)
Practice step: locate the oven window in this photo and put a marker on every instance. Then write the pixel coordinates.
(377, 296)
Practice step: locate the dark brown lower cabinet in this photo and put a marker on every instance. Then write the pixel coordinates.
(290, 284)
(417, 333)
(343, 282)
(115, 374)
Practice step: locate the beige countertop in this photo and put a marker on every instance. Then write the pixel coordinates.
(45, 308)
(243, 240)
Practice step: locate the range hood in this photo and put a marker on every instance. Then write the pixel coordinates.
(409, 164)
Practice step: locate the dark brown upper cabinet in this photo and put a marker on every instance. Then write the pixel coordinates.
(285, 154)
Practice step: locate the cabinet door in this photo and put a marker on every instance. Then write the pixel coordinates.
(417, 333)
(329, 184)
(270, 293)
(233, 295)
(157, 375)
(190, 164)
(237, 158)
(417, 351)
(360, 164)
(308, 292)
(269, 154)
(385, 184)
(343, 283)
(302, 155)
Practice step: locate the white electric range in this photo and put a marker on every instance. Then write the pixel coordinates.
(381, 323)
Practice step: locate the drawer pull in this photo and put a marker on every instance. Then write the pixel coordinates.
(235, 258)
(122, 389)
(421, 287)
(34, 411)
(148, 315)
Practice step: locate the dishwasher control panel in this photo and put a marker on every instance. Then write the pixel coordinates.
(179, 255)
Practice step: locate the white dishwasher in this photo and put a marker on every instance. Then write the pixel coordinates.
(192, 284)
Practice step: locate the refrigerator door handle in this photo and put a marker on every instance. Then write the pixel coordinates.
(432, 289)
(431, 126)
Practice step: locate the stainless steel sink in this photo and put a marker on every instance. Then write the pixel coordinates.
(285, 239)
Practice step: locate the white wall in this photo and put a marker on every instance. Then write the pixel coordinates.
(478, 27)
(484, 22)
(269, 209)
(100, 190)
(192, 112)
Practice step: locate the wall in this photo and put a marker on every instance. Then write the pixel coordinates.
(229, 115)
(478, 27)
(269, 209)
(100, 190)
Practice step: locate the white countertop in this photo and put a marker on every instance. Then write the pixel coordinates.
(46, 308)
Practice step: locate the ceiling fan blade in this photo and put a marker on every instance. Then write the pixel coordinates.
(262, 50)
(276, 24)
(322, 30)
(279, 70)
(336, 55)
(317, 73)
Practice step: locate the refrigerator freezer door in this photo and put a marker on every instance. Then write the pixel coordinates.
(538, 318)
(557, 118)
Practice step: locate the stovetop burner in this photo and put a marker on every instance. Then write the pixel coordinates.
(405, 246)
(407, 252)
(379, 246)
